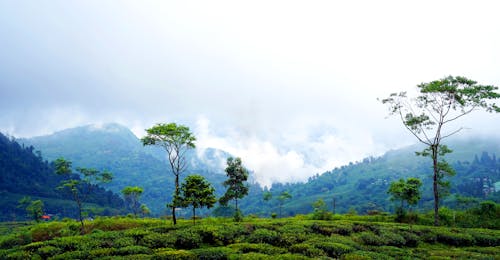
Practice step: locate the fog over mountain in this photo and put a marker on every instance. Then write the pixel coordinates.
(289, 86)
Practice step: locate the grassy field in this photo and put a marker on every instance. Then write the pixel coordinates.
(255, 238)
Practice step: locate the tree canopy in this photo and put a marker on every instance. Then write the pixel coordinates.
(236, 183)
(176, 140)
(429, 115)
(197, 192)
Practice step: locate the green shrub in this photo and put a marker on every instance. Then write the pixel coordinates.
(15, 239)
(133, 250)
(123, 242)
(328, 230)
(106, 239)
(101, 252)
(264, 236)
(334, 249)
(392, 239)
(483, 239)
(50, 230)
(257, 248)
(66, 243)
(48, 251)
(82, 243)
(229, 234)
(454, 239)
(307, 250)
(71, 255)
(156, 240)
(212, 253)
(113, 224)
(410, 238)
(288, 257)
(162, 229)
(362, 227)
(251, 256)
(292, 234)
(32, 247)
(187, 239)
(19, 255)
(174, 254)
(137, 234)
(368, 238)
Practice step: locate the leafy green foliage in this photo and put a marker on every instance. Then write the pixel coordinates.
(80, 188)
(320, 211)
(176, 140)
(34, 209)
(132, 195)
(197, 192)
(439, 103)
(236, 186)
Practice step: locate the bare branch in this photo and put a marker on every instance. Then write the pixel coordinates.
(452, 133)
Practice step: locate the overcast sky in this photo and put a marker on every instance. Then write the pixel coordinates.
(289, 86)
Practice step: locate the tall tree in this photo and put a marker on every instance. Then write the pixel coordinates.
(198, 193)
(34, 208)
(176, 140)
(132, 196)
(281, 199)
(236, 186)
(80, 186)
(408, 191)
(429, 115)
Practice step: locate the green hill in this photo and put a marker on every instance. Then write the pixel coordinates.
(360, 186)
(23, 172)
(117, 149)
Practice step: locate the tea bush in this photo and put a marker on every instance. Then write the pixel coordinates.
(334, 249)
(187, 239)
(307, 250)
(213, 253)
(368, 238)
(156, 240)
(257, 248)
(15, 239)
(454, 239)
(133, 250)
(174, 254)
(264, 236)
(48, 251)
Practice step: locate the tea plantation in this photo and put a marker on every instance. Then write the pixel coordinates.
(219, 238)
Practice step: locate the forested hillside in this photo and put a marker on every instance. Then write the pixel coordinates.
(24, 172)
(360, 186)
(117, 149)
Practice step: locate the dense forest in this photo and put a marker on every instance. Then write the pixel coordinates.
(23, 172)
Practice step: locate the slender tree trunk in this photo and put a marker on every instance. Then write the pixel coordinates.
(194, 215)
(174, 201)
(435, 183)
(80, 217)
(280, 209)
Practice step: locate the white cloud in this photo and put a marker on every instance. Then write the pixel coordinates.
(290, 86)
(292, 158)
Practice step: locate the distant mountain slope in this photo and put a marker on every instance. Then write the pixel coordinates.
(23, 172)
(363, 185)
(117, 149)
